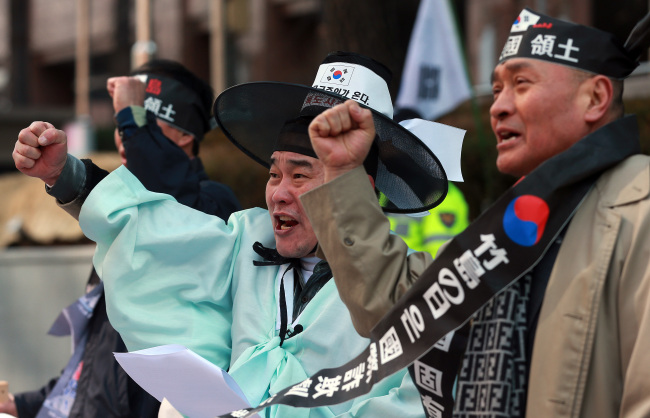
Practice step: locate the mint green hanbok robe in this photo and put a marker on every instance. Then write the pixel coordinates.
(173, 275)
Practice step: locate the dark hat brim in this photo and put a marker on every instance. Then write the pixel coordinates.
(409, 176)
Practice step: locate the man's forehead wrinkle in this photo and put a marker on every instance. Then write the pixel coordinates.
(516, 65)
(510, 66)
(494, 78)
(299, 161)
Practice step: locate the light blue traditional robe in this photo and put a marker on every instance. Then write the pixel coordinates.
(173, 275)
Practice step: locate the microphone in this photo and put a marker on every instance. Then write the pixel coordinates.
(296, 330)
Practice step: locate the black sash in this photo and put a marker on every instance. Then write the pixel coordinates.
(498, 248)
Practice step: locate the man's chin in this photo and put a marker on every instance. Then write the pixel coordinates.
(292, 252)
(289, 253)
(293, 243)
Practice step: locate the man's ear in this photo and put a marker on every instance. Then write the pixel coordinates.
(185, 139)
(601, 94)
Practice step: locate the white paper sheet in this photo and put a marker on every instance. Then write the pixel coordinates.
(193, 385)
(167, 410)
(445, 141)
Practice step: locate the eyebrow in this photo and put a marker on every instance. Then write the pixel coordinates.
(296, 163)
(510, 66)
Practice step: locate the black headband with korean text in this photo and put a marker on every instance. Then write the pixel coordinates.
(534, 35)
(175, 104)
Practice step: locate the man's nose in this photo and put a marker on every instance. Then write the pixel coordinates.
(503, 104)
(282, 193)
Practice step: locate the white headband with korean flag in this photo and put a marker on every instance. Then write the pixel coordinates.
(352, 81)
(355, 82)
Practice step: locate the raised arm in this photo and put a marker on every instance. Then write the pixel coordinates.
(41, 151)
(156, 160)
(125, 91)
(370, 265)
(341, 137)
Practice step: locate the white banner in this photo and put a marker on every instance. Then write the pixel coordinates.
(434, 80)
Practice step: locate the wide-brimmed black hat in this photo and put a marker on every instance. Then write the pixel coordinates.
(263, 117)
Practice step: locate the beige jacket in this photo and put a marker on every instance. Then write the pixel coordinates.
(591, 356)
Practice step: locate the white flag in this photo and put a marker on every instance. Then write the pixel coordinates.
(434, 81)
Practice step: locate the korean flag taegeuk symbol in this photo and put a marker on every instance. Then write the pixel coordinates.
(525, 219)
(339, 75)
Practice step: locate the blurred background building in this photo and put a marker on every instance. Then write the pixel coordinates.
(55, 57)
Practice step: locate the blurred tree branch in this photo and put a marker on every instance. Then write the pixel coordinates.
(378, 29)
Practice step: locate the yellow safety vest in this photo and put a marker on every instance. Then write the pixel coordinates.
(429, 232)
